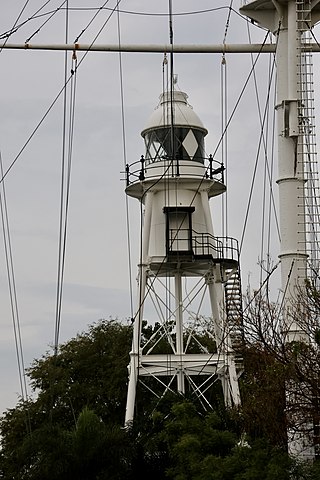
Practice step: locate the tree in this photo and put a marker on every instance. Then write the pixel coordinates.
(287, 372)
(44, 435)
(90, 370)
(210, 446)
(73, 428)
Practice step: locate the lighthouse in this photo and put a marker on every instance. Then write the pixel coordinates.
(188, 274)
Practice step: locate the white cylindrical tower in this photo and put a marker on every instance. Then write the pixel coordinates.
(288, 20)
(174, 181)
(283, 19)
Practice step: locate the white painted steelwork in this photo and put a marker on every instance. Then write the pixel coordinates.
(178, 243)
(281, 18)
(288, 19)
(164, 48)
(137, 48)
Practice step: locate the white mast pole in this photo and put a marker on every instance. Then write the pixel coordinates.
(291, 176)
(152, 48)
(282, 20)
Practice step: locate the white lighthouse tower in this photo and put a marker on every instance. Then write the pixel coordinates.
(185, 270)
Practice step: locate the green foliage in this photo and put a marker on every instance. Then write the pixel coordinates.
(90, 370)
(190, 438)
(90, 450)
(263, 396)
(81, 395)
(208, 446)
(73, 428)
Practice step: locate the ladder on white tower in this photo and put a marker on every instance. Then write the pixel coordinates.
(307, 155)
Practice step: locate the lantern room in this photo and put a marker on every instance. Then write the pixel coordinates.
(174, 139)
(174, 131)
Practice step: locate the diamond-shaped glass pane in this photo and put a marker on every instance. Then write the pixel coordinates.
(190, 144)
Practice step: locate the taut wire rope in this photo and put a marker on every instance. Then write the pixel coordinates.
(165, 88)
(252, 72)
(271, 195)
(15, 23)
(62, 200)
(12, 288)
(224, 133)
(124, 153)
(56, 98)
(221, 141)
(174, 156)
(224, 143)
(66, 164)
(64, 203)
(51, 15)
(239, 97)
(94, 17)
(224, 146)
(254, 175)
(13, 298)
(261, 137)
(268, 170)
(265, 218)
(34, 16)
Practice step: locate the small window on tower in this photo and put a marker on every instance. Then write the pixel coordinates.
(178, 230)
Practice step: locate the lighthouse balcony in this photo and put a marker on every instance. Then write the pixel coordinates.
(202, 170)
(189, 244)
(193, 252)
(152, 168)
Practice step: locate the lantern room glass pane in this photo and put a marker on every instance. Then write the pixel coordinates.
(188, 144)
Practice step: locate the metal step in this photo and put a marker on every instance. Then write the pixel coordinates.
(234, 312)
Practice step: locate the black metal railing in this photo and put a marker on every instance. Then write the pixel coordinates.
(137, 171)
(198, 244)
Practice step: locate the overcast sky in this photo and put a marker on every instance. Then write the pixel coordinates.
(96, 277)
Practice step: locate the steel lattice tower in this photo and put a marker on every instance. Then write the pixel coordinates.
(183, 265)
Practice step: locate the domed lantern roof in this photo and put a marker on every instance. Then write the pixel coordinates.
(174, 130)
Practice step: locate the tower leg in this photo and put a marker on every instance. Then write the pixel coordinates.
(179, 330)
(142, 282)
(135, 351)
